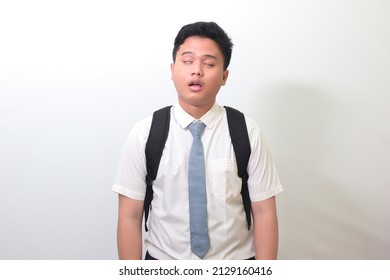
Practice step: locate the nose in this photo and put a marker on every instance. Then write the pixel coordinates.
(197, 69)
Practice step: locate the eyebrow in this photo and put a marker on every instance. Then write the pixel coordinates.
(206, 55)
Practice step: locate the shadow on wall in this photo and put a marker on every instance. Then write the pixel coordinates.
(319, 215)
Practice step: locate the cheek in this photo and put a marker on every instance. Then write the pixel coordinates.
(178, 73)
(219, 80)
(179, 81)
(175, 75)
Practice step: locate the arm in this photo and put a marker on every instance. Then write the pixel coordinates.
(130, 228)
(265, 229)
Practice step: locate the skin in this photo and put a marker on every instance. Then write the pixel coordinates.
(129, 232)
(198, 74)
(198, 61)
(265, 229)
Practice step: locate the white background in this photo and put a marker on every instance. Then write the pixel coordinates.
(75, 76)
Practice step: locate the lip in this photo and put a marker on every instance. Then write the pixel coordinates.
(195, 85)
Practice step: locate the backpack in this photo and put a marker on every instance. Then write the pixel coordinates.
(156, 141)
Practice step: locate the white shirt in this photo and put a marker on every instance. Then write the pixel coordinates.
(169, 234)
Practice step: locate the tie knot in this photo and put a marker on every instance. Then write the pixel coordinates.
(196, 128)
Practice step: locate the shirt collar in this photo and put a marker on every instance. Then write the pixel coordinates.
(185, 119)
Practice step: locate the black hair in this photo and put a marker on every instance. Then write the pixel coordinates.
(209, 30)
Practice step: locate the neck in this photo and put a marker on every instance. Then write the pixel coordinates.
(196, 111)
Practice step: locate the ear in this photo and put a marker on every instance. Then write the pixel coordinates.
(225, 77)
(172, 68)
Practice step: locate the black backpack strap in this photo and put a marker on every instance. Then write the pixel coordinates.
(153, 151)
(242, 149)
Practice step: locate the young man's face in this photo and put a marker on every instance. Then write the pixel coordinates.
(198, 73)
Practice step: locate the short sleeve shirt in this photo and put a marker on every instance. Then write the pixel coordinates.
(169, 234)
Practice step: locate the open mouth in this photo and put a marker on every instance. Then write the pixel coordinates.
(195, 85)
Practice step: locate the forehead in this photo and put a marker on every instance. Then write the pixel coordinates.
(199, 46)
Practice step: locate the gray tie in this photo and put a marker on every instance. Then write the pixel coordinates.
(200, 242)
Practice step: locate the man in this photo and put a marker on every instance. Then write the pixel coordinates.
(201, 57)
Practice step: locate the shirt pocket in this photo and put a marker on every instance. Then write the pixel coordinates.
(223, 180)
